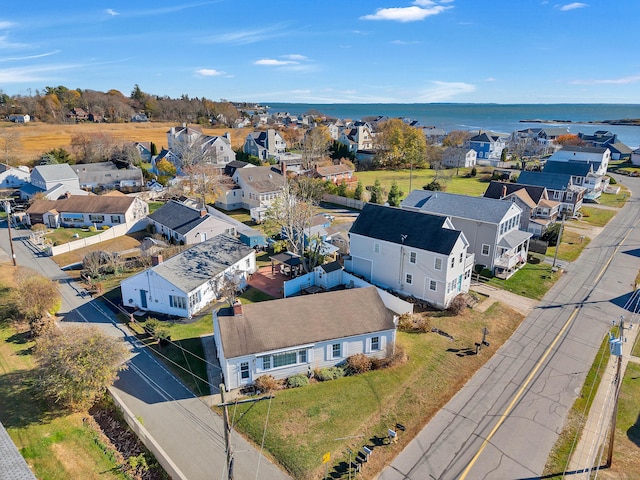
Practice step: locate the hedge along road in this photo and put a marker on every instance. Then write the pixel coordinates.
(180, 423)
(505, 420)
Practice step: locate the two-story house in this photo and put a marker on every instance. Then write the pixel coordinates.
(488, 147)
(252, 188)
(190, 141)
(357, 138)
(582, 174)
(265, 145)
(491, 226)
(411, 253)
(598, 157)
(538, 211)
(559, 188)
(53, 181)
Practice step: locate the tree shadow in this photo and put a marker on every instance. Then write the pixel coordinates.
(634, 432)
(21, 403)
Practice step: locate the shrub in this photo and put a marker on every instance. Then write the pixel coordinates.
(398, 357)
(105, 227)
(474, 172)
(457, 305)
(358, 363)
(533, 260)
(612, 181)
(157, 329)
(435, 186)
(93, 229)
(410, 322)
(266, 383)
(486, 272)
(331, 373)
(298, 380)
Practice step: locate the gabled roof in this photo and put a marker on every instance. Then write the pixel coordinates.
(620, 148)
(334, 169)
(413, 229)
(12, 464)
(514, 238)
(554, 131)
(481, 209)
(81, 204)
(55, 173)
(525, 198)
(579, 169)
(179, 217)
(290, 322)
(495, 190)
(202, 262)
(331, 267)
(574, 148)
(261, 179)
(552, 181)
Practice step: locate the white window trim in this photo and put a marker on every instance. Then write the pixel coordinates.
(488, 249)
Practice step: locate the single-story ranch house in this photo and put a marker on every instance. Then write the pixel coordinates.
(295, 335)
(186, 283)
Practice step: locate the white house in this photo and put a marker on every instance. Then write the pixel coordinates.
(635, 156)
(598, 157)
(264, 145)
(20, 118)
(106, 175)
(455, 157)
(215, 150)
(186, 283)
(85, 211)
(491, 226)
(357, 138)
(12, 177)
(186, 225)
(257, 187)
(410, 253)
(47, 176)
(296, 335)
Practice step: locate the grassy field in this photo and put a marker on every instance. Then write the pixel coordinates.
(531, 281)
(119, 244)
(598, 217)
(61, 235)
(615, 200)
(558, 460)
(306, 422)
(571, 246)
(33, 139)
(454, 184)
(57, 445)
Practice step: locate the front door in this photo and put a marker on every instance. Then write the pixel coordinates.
(245, 375)
(143, 298)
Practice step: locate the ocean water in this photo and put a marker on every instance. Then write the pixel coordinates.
(494, 117)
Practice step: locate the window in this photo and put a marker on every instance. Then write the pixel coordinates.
(485, 249)
(248, 263)
(266, 362)
(376, 248)
(438, 264)
(115, 218)
(375, 343)
(461, 257)
(336, 350)
(302, 356)
(96, 218)
(244, 370)
(413, 257)
(177, 302)
(433, 285)
(283, 359)
(453, 262)
(409, 279)
(194, 299)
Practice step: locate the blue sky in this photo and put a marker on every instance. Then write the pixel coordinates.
(356, 51)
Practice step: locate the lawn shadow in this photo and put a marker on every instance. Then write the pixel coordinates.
(21, 338)
(21, 403)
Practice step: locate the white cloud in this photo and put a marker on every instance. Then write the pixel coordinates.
(572, 6)
(405, 14)
(5, 43)
(272, 62)
(209, 72)
(443, 91)
(28, 57)
(489, 79)
(245, 37)
(610, 81)
(404, 42)
(5, 24)
(294, 56)
(112, 12)
(30, 74)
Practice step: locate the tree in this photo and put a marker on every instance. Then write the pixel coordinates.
(204, 181)
(456, 138)
(57, 155)
(569, 139)
(358, 192)
(376, 192)
(342, 189)
(228, 288)
(394, 195)
(9, 143)
(315, 146)
(35, 298)
(166, 168)
(76, 366)
(399, 145)
(291, 215)
(340, 151)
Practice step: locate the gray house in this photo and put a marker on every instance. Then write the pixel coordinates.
(299, 334)
(106, 175)
(491, 226)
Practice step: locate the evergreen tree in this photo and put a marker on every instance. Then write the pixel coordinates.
(394, 195)
(376, 192)
(358, 193)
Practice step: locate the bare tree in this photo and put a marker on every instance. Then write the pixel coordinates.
(9, 144)
(35, 298)
(315, 146)
(228, 287)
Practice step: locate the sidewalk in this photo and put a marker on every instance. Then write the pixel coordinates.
(589, 453)
(519, 303)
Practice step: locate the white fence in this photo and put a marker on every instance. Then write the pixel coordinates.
(344, 201)
(112, 232)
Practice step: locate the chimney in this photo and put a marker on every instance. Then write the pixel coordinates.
(283, 168)
(203, 212)
(504, 191)
(237, 308)
(156, 260)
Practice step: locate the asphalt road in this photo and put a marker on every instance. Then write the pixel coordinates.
(503, 423)
(181, 424)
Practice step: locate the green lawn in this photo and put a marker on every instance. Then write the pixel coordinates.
(62, 235)
(559, 457)
(153, 206)
(571, 246)
(597, 217)
(307, 422)
(531, 281)
(615, 200)
(474, 186)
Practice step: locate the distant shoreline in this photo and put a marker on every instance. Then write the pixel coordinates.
(632, 122)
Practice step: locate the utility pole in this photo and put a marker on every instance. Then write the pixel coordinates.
(228, 427)
(615, 346)
(7, 209)
(555, 256)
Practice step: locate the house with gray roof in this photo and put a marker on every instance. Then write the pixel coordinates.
(186, 225)
(491, 226)
(259, 186)
(12, 465)
(297, 335)
(265, 145)
(559, 187)
(54, 181)
(488, 147)
(107, 176)
(186, 283)
(411, 253)
(599, 157)
(582, 174)
(13, 177)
